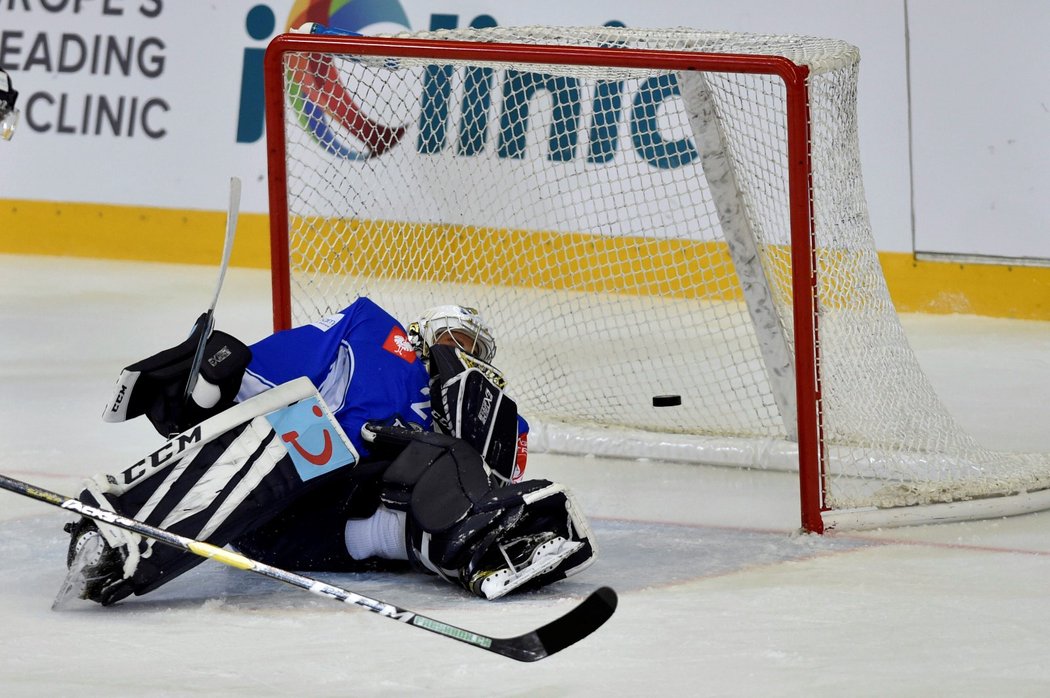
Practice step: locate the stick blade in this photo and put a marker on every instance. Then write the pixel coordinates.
(561, 632)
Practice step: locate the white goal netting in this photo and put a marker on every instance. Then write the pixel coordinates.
(628, 233)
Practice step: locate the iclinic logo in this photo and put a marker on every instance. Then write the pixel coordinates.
(622, 116)
(326, 109)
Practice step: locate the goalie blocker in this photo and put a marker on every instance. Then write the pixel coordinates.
(155, 387)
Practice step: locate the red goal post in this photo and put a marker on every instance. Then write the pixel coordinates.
(320, 188)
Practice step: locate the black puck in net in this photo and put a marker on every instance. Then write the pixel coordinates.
(667, 400)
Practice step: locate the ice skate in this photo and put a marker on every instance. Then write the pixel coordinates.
(513, 564)
(93, 565)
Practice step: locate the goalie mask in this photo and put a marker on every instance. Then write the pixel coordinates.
(457, 324)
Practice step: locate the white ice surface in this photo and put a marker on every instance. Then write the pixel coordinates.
(718, 595)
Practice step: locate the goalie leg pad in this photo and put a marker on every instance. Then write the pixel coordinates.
(227, 478)
(215, 493)
(468, 527)
(522, 536)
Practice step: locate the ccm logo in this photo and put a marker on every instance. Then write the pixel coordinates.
(162, 455)
(119, 398)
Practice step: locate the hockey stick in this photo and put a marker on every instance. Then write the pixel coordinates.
(209, 317)
(553, 637)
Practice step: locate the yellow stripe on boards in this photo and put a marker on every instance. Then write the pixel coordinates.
(519, 258)
(130, 233)
(994, 290)
(677, 268)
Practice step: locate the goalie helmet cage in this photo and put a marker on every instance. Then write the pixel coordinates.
(637, 213)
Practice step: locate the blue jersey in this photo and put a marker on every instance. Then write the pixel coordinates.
(359, 359)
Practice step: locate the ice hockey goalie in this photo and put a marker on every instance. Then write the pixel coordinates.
(349, 444)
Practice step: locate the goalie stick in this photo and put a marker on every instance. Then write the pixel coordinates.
(209, 316)
(532, 646)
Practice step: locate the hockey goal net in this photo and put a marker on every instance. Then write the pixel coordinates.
(637, 213)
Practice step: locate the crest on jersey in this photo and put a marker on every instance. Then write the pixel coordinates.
(397, 344)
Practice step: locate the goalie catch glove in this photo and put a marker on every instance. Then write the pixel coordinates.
(154, 386)
(468, 402)
(464, 525)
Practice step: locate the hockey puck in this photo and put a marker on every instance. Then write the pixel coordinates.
(667, 400)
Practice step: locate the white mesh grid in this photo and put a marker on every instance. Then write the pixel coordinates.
(601, 262)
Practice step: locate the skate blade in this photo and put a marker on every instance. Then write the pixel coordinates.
(74, 586)
(544, 559)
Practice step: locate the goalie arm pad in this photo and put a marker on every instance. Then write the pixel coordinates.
(154, 386)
